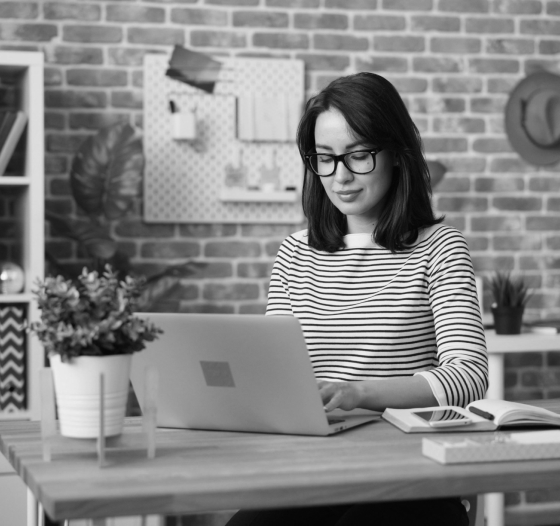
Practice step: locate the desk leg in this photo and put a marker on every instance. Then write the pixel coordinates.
(494, 509)
(496, 376)
(32, 509)
(494, 502)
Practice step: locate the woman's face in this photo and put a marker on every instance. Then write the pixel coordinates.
(359, 196)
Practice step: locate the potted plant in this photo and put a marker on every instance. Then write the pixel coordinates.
(88, 328)
(510, 296)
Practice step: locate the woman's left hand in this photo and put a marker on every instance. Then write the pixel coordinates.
(345, 395)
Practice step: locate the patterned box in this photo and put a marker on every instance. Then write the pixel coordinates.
(12, 359)
(493, 447)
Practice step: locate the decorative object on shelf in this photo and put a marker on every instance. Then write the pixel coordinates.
(12, 359)
(236, 175)
(12, 278)
(88, 327)
(532, 118)
(510, 296)
(270, 176)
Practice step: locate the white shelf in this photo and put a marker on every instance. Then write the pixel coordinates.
(257, 196)
(15, 298)
(16, 415)
(13, 180)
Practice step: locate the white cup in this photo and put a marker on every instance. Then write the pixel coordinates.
(184, 126)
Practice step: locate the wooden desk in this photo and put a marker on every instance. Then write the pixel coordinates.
(197, 471)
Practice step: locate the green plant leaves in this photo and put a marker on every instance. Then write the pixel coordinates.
(92, 314)
(508, 291)
(161, 285)
(107, 171)
(94, 238)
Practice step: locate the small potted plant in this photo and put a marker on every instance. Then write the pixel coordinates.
(88, 328)
(510, 296)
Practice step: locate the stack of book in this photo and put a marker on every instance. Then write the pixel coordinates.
(12, 124)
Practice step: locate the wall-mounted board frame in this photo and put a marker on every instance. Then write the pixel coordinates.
(187, 181)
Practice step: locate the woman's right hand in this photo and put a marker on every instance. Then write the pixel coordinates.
(343, 395)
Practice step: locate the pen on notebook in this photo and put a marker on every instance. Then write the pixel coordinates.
(481, 413)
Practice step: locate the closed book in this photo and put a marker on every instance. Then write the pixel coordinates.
(8, 119)
(12, 138)
(493, 447)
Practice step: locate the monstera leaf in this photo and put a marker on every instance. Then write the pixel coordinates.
(94, 238)
(162, 284)
(107, 170)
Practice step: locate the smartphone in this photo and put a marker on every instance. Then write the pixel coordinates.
(443, 417)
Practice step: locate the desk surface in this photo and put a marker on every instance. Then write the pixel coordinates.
(197, 471)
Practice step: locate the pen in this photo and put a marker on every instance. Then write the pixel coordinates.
(172, 106)
(481, 413)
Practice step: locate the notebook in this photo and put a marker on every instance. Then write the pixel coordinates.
(236, 373)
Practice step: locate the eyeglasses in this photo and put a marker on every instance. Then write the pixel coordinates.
(358, 162)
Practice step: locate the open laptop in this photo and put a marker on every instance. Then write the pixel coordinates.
(236, 373)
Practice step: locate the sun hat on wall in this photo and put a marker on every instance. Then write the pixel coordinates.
(532, 118)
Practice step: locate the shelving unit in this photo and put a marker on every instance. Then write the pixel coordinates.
(21, 74)
(22, 242)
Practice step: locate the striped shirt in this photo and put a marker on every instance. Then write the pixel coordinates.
(367, 313)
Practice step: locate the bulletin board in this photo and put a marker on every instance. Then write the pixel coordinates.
(183, 180)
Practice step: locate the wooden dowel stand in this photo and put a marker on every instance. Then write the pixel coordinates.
(48, 412)
(149, 414)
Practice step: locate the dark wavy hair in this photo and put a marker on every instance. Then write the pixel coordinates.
(377, 115)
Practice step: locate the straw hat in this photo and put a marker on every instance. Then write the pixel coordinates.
(532, 118)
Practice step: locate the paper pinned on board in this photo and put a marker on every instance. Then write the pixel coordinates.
(197, 69)
(273, 118)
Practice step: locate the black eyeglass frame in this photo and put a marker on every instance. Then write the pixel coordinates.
(341, 158)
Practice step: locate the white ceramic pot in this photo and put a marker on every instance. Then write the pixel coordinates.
(76, 385)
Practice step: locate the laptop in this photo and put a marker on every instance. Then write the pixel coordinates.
(236, 373)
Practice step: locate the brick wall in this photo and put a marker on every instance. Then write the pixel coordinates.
(454, 62)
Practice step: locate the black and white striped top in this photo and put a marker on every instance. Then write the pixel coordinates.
(369, 314)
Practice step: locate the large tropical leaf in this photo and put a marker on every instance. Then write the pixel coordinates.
(160, 285)
(94, 238)
(107, 170)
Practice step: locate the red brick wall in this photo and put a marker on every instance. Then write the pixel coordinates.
(454, 61)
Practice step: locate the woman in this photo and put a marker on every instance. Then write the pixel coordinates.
(384, 292)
